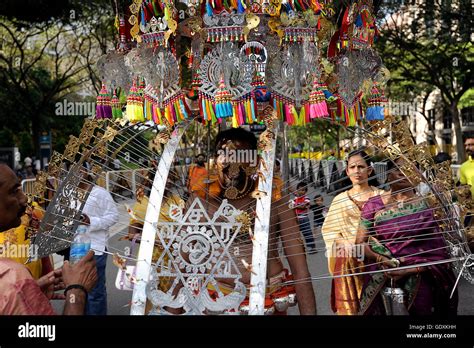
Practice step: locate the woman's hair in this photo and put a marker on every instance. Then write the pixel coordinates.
(345, 182)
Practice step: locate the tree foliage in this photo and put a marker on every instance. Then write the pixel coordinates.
(44, 61)
(427, 47)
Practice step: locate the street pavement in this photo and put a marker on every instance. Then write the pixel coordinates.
(119, 300)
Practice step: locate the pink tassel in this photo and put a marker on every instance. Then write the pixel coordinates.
(318, 100)
(289, 115)
(241, 114)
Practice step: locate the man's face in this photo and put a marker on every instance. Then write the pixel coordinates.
(12, 199)
(200, 160)
(469, 145)
(239, 150)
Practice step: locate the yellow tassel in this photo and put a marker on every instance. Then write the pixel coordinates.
(158, 114)
(295, 116)
(302, 116)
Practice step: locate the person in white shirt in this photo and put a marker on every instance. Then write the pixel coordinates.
(100, 213)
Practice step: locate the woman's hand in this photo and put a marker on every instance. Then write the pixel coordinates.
(401, 273)
(387, 262)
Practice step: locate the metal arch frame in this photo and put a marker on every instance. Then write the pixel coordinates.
(145, 253)
(57, 228)
(262, 227)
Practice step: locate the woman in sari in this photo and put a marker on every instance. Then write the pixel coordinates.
(340, 229)
(399, 229)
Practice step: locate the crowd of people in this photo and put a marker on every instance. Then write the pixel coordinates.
(372, 236)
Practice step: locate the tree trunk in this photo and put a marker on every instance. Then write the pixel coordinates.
(36, 132)
(431, 124)
(458, 131)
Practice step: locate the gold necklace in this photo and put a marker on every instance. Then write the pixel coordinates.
(232, 192)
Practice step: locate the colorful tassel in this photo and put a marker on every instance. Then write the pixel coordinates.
(240, 6)
(252, 109)
(182, 106)
(223, 102)
(209, 11)
(103, 108)
(134, 110)
(376, 101)
(116, 107)
(317, 102)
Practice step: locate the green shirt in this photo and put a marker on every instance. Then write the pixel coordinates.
(467, 174)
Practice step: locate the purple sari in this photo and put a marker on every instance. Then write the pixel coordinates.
(411, 235)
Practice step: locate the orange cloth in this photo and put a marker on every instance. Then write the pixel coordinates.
(346, 291)
(197, 182)
(196, 177)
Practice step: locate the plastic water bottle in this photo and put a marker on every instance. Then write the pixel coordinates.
(80, 245)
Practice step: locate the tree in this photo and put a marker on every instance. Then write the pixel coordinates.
(427, 46)
(44, 62)
(318, 135)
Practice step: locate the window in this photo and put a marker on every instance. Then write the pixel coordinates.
(447, 120)
(430, 139)
(432, 118)
(467, 116)
(447, 139)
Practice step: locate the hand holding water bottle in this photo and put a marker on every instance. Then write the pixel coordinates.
(81, 243)
(84, 272)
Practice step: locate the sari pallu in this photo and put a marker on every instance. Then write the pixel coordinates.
(346, 291)
(339, 229)
(411, 235)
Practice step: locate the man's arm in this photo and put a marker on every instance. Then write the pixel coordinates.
(75, 302)
(20, 293)
(83, 273)
(294, 251)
